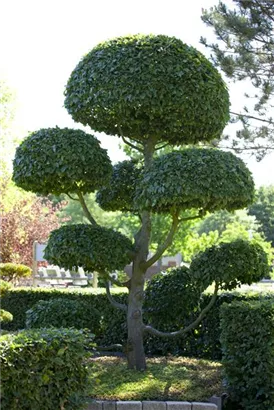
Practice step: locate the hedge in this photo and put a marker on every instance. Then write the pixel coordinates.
(44, 369)
(202, 342)
(247, 339)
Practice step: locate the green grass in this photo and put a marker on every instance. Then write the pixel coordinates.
(165, 379)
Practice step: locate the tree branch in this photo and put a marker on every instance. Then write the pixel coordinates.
(112, 301)
(251, 117)
(85, 208)
(196, 322)
(131, 145)
(74, 199)
(117, 282)
(161, 248)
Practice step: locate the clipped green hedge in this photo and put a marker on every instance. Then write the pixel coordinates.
(248, 353)
(202, 342)
(44, 369)
(112, 326)
(59, 312)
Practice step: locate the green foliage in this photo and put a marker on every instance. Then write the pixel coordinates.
(148, 86)
(248, 344)
(202, 342)
(5, 316)
(119, 194)
(44, 369)
(56, 161)
(12, 272)
(263, 210)
(231, 264)
(90, 246)
(4, 287)
(196, 178)
(172, 298)
(63, 313)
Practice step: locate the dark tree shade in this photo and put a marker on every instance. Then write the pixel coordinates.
(149, 86)
(92, 247)
(231, 264)
(200, 178)
(56, 160)
(119, 194)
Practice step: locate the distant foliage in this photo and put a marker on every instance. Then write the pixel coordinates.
(12, 272)
(196, 178)
(148, 86)
(44, 369)
(24, 221)
(63, 313)
(61, 160)
(247, 340)
(93, 247)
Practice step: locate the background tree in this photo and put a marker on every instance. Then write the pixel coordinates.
(25, 218)
(150, 91)
(263, 210)
(245, 51)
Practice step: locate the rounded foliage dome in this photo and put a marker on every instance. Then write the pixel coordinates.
(92, 247)
(56, 160)
(207, 179)
(145, 86)
(119, 194)
(231, 264)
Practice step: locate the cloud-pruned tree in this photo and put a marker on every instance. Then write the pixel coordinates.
(150, 90)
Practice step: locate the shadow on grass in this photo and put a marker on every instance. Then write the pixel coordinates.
(166, 378)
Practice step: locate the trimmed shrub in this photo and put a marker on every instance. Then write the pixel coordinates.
(202, 342)
(5, 316)
(4, 287)
(63, 313)
(43, 369)
(248, 353)
(12, 272)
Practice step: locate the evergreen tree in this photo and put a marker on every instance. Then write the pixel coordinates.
(245, 51)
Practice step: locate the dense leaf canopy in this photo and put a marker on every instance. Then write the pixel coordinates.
(119, 194)
(56, 160)
(231, 264)
(92, 247)
(149, 86)
(201, 178)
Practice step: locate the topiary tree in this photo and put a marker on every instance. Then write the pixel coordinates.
(150, 91)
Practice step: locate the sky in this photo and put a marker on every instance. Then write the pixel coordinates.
(42, 42)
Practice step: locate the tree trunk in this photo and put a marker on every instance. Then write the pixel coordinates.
(135, 346)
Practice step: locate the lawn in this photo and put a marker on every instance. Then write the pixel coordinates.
(166, 378)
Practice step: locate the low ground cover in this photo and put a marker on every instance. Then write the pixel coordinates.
(166, 378)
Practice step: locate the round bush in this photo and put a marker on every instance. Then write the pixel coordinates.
(57, 160)
(90, 246)
(4, 287)
(119, 194)
(5, 316)
(231, 264)
(63, 313)
(148, 86)
(11, 272)
(172, 298)
(200, 178)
